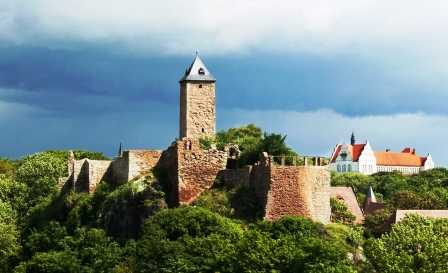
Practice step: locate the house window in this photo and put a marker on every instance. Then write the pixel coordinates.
(349, 167)
(343, 168)
(339, 168)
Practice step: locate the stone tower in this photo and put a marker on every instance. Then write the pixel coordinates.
(197, 102)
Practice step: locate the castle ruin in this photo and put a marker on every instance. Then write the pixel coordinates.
(283, 190)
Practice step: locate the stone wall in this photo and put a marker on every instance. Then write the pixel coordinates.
(197, 109)
(286, 190)
(286, 194)
(141, 162)
(195, 169)
(298, 190)
(236, 177)
(319, 178)
(88, 173)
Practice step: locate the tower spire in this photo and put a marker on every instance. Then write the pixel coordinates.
(120, 150)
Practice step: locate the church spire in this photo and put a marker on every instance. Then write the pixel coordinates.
(120, 150)
(352, 139)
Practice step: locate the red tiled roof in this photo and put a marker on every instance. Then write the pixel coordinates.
(336, 153)
(422, 161)
(355, 151)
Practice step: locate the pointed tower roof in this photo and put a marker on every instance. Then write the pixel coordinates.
(370, 204)
(120, 150)
(197, 72)
(371, 195)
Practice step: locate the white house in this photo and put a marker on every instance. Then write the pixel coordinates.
(361, 158)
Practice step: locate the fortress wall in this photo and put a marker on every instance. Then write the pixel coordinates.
(120, 169)
(289, 193)
(292, 190)
(99, 170)
(81, 175)
(320, 179)
(260, 180)
(236, 177)
(141, 162)
(196, 168)
(168, 162)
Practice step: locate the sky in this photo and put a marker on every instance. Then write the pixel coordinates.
(87, 74)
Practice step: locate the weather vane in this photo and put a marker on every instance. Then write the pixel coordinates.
(197, 53)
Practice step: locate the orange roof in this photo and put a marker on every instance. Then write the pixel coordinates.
(407, 157)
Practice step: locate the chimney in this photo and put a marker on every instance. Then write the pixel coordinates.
(413, 151)
(387, 150)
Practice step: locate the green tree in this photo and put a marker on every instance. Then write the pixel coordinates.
(416, 244)
(251, 142)
(340, 212)
(7, 167)
(86, 251)
(14, 193)
(9, 237)
(358, 181)
(169, 240)
(426, 181)
(291, 225)
(50, 238)
(40, 172)
(387, 183)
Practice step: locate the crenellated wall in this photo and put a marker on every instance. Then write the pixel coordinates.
(286, 190)
(282, 190)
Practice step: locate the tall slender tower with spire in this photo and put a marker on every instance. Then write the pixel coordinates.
(197, 102)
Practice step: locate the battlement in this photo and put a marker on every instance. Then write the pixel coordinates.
(286, 190)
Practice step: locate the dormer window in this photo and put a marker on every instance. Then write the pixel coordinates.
(201, 71)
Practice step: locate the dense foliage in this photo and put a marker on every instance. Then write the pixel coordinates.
(251, 142)
(415, 244)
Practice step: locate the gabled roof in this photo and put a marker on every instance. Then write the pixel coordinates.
(355, 151)
(407, 157)
(400, 214)
(348, 196)
(197, 72)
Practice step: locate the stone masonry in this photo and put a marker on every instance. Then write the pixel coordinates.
(197, 111)
(287, 190)
(191, 170)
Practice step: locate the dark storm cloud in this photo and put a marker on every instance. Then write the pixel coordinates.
(58, 79)
(346, 84)
(91, 80)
